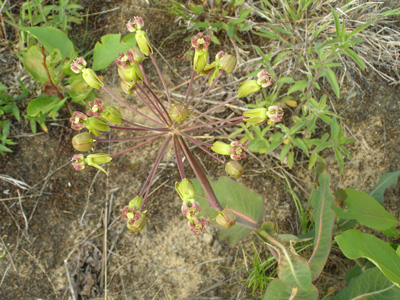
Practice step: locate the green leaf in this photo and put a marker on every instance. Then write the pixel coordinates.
(370, 285)
(33, 64)
(358, 29)
(355, 244)
(356, 58)
(313, 159)
(290, 159)
(300, 144)
(366, 210)
(52, 38)
(43, 105)
(337, 22)
(235, 196)
(339, 158)
(386, 180)
(6, 129)
(330, 75)
(279, 290)
(107, 50)
(324, 219)
(298, 86)
(79, 89)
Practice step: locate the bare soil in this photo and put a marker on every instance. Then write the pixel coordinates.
(55, 228)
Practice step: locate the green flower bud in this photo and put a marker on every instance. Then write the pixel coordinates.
(234, 169)
(228, 63)
(82, 141)
(93, 124)
(91, 78)
(200, 60)
(127, 87)
(112, 114)
(135, 202)
(185, 189)
(94, 160)
(255, 116)
(143, 42)
(221, 148)
(248, 87)
(226, 218)
(179, 112)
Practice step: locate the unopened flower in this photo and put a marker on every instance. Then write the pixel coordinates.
(228, 63)
(135, 203)
(275, 113)
(78, 120)
(112, 114)
(78, 65)
(226, 218)
(78, 162)
(234, 169)
(134, 54)
(200, 44)
(128, 69)
(82, 141)
(140, 36)
(135, 25)
(185, 189)
(91, 78)
(127, 87)
(94, 124)
(94, 160)
(179, 112)
(264, 79)
(248, 87)
(255, 116)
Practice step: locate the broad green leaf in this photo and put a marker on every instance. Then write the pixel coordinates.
(370, 285)
(386, 180)
(79, 89)
(43, 104)
(330, 75)
(107, 50)
(366, 210)
(279, 290)
(237, 197)
(292, 268)
(298, 86)
(324, 218)
(355, 244)
(52, 38)
(33, 64)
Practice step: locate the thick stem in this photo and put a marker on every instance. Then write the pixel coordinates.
(137, 146)
(161, 78)
(153, 172)
(201, 176)
(207, 90)
(178, 157)
(130, 107)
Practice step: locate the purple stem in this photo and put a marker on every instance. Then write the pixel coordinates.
(140, 129)
(190, 87)
(130, 107)
(153, 171)
(138, 146)
(177, 149)
(196, 140)
(162, 78)
(210, 110)
(198, 89)
(159, 115)
(201, 176)
(144, 127)
(212, 123)
(207, 90)
(158, 101)
(144, 74)
(130, 139)
(197, 143)
(215, 128)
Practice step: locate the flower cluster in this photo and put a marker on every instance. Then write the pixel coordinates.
(190, 207)
(136, 220)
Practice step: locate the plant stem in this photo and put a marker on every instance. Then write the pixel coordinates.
(129, 139)
(198, 89)
(161, 78)
(212, 123)
(159, 115)
(189, 87)
(144, 127)
(207, 90)
(139, 129)
(144, 74)
(201, 176)
(178, 157)
(158, 100)
(216, 128)
(130, 107)
(137, 146)
(197, 143)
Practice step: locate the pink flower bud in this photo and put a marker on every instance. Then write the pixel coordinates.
(275, 113)
(78, 162)
(78, 120)
(78, 65)
(264, 79)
